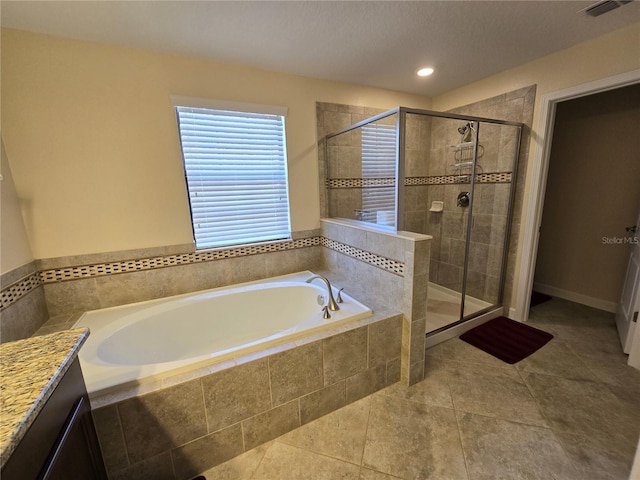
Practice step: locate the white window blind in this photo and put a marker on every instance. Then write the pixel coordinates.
(236, 170)
(379, 162)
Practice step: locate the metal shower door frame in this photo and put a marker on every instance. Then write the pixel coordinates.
(400, 185)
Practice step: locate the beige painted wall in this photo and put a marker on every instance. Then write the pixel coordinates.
(592, 193)
(603, 57)
(92, 140)
(16, 250)
(91, 134)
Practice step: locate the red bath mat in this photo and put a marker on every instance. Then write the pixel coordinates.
(508, 340)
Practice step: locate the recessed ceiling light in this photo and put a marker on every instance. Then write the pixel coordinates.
(425, 72)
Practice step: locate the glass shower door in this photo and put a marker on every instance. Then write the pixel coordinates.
(490, 209)
(362, 172)
(435, 175)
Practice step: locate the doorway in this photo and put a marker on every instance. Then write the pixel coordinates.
(535, 194)
(592, 195)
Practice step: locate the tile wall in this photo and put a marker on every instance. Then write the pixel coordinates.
(184, 429)
(431, 175)
(23, 308)
(406, 293)
(331, 118)
(57, 290)
(175, 429)
(165, 433)
(514, 106)
(490, 207)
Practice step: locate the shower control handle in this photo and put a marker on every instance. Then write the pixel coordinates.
(463, 199)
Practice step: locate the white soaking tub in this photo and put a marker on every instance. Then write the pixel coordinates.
(140, 342)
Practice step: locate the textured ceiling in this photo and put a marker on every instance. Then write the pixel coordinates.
(375, 43)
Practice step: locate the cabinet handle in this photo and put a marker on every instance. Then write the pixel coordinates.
(55, 453)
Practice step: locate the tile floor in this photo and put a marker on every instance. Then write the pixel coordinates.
(569, 411)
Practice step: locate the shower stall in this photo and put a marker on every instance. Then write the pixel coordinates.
(445, 175)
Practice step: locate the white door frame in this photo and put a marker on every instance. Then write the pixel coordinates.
(534, 196)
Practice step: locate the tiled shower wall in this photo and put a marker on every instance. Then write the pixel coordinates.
(430, 177)
(331, 118)
(490, 207)
(515, 106)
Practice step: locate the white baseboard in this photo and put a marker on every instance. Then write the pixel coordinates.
(598, 303)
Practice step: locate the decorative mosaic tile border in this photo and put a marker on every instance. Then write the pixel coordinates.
(498, 177)
(360, 182)
(19, 289)
(73, 273)
(16, 290)
(392, 266)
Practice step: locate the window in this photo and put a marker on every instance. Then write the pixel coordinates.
(379, 163)
(236, 170)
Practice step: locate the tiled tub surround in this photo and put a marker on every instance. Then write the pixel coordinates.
(78, 284)
(147, 341)
(186, 428)
(154, 428)
(23, 309)
(405, 292)
(73, 285)
(57, 290)
(232, 408)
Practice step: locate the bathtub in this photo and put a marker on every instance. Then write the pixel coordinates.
(143, 342)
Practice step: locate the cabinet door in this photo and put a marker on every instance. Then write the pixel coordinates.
(61, 443)
(75, 454)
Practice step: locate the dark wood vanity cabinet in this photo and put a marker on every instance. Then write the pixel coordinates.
(61, 443)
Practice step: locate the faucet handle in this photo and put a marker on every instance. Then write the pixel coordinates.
(325, 312)
(339, 297)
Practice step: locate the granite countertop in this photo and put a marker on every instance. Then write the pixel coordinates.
(30, 369)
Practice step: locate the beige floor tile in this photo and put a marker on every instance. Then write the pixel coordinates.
(340, 434)
(366, 474)
(499, 393)
(413, 440)
(433, 390)
(579, 386)
(583, 408)
(462, 352)
(598, 458)
(284, 462)
(584, 329)
(499, 449)
(558, 359)
(241, 467)
(622, 379)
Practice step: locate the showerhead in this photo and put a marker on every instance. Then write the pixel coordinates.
(465, 128)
